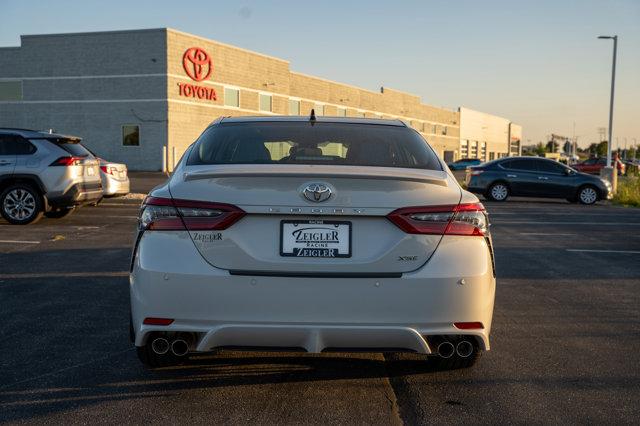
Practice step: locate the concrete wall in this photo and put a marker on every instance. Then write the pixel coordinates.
(480, 128)
(89, 85)
(254, 73)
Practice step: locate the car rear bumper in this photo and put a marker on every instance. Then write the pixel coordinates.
(113, 186)
(77, 194)
(170, 279)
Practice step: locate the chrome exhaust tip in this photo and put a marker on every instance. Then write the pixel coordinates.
(446, 350)
(160, 345)
(179, 347)
(464, 349)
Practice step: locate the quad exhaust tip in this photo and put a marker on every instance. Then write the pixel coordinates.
(446, 350)
(179, 347)
(160, 345)
(464, 349)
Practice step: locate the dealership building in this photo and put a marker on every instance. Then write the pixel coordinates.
(141, 97)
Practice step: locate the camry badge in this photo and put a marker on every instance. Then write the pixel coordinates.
(317, 192)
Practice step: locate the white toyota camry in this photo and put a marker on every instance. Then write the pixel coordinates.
(327, 234)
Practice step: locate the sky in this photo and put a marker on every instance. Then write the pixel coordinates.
(537, 63)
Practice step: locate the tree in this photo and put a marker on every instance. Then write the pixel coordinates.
(540, 149)
(552, 146)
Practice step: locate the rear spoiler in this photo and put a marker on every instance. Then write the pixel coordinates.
(434, 177)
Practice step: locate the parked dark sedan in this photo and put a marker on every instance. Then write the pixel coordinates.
(464, 163)
(535, 177)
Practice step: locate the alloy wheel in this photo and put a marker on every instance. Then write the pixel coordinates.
(19, 204)
(499, 192)
(588, 196)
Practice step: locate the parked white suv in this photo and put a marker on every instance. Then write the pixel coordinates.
(319, 234)
(44, 174)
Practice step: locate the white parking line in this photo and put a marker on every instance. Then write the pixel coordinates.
(19, 242)
(605, 251)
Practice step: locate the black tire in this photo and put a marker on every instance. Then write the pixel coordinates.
(59, 213)
(455, 362)
(152, 360)
(498, 191)
(588, 195)
(33, 208)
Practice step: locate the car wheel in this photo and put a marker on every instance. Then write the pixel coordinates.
(587, 195)
(58, 213)
(21, 204)
(498, 191)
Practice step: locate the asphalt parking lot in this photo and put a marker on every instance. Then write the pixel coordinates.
(565, 338)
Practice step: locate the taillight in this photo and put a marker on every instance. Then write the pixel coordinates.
(67, 161)
(166, 214)
(461, 219)
(110, 170)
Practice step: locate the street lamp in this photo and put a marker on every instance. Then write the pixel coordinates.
(613, 85)
(612, 171)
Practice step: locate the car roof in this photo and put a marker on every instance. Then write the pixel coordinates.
(319, 119)
(35, 134)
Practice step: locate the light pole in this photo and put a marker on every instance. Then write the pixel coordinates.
(612, 170)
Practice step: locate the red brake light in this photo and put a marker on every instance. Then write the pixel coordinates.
(67, 161)
(177, 215)
(468, 325)
(461, 219)
(157, 321)
(108, 170)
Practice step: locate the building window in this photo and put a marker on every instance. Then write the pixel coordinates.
(464, 149)
(342, 112)
(131, 135)
(434, 130)
(359, 114)
(483, 151)
(319, 109)
(231, 97)
(492, 156)
(265, 102)
(444, 130)
(11, 90)
(294, 107)
(474, 149)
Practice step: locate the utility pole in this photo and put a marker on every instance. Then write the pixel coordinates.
(611, 172)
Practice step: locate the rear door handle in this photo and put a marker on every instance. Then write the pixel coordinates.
(543, 178)
(512, 175)
(4, 162)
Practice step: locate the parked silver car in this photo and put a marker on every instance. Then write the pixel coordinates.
(325, 234)
(44, 174)
(115, 179)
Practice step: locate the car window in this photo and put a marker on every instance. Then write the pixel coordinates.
(523, 164)
(15, 145)
(590, 162)
(348, 144)
(72, 146)
(549, 167)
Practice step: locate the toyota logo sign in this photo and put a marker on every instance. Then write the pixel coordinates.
(197, 63)
(317, 192)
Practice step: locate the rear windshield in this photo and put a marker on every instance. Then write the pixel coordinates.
(341, 144)
(73, 147)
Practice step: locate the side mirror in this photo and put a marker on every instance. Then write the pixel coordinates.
(568, 172)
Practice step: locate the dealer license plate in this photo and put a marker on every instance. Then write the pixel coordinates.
(315, 238)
